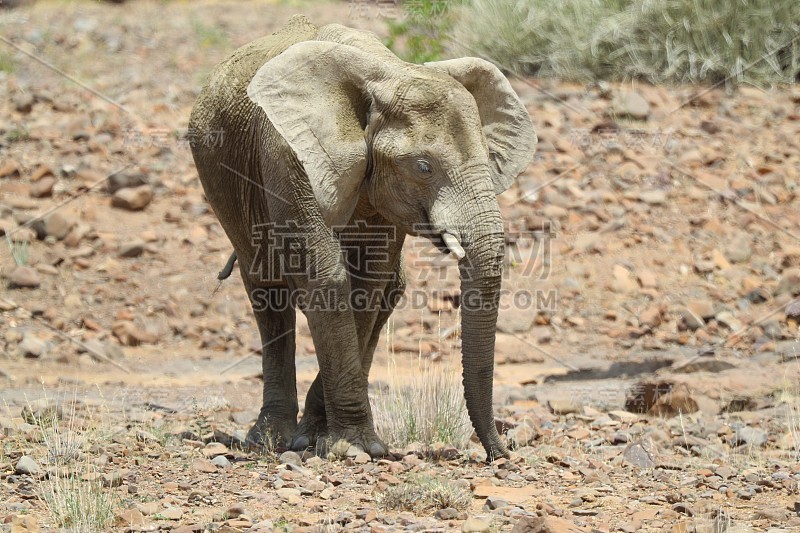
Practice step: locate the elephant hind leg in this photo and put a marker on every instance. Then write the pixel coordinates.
(275, 316)
(314, 425)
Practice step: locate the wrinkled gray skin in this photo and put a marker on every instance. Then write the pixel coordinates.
(324, 126)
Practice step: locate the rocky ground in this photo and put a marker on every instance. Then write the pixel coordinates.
(647, 358)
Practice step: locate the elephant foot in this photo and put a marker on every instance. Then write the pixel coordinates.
(310, 430)
(343, 442)
(271, 432)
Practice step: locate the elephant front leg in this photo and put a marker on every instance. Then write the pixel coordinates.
(376, 287)
(370, 317)
(344, 384)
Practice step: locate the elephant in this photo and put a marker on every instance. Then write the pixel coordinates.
(328, 133)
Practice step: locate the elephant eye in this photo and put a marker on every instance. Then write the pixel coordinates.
(424, 167)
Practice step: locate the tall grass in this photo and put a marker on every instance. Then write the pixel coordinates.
(426, 408)
(696, 41)
(75, 504)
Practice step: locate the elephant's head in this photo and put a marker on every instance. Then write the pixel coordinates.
(431, 145)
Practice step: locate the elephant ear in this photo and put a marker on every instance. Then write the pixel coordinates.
(313, 94)
(506, 123)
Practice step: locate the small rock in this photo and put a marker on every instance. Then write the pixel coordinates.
(58, 225)
(314, 485)
(288, 494)
(113, 479)
(24, 524)
(130, 335)
(651, 317)
(134, 248)
(702, 308)
(9, 169)
(655, 197)
(204, 466)
(133, 199)
(149, 508)
(23, 277)
(623, 280)
(221, 461)
(110, 350)
(632, 105)
(647, 279)
(641, 453)
(751, 436)
(27, 466)
(32, 346)
(448, 513)
(523, 435)
(725, 472)
(291, 458)
(551, 211)
(172, 513)
(493, 503)
(740, 249)
(689, 318)
(476, 524)
(23, 102)
(125, 180)
(42, 188)
(516, 321)
(362, 458)
(790, 282)
(130, 517)
(235, 511)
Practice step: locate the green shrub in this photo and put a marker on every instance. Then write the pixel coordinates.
(421, 35)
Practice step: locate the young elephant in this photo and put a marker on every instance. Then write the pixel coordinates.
(331, 146)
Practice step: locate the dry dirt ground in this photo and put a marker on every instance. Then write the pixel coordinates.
(646, 354)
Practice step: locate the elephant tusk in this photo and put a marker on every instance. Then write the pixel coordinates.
(453, 245)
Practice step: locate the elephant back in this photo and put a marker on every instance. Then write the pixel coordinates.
(224, 99)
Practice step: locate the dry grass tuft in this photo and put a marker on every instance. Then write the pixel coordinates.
(424, 494)
(78, 505)
(427, 409)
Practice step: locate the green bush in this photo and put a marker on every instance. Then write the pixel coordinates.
(697, 41)
(422, 33)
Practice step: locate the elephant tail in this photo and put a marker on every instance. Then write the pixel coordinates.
(228, 268)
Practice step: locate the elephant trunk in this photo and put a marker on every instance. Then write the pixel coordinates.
(481, 273)
(473, 233)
